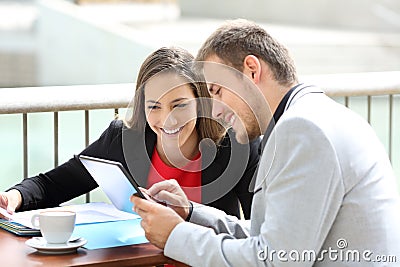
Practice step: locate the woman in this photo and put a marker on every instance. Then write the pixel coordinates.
(167, 137)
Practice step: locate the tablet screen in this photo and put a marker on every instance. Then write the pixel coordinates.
(114, 180)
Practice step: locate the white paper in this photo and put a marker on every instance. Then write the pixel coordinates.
(6, 214)
(95, 212)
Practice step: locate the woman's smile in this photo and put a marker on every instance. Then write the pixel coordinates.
(172, 132)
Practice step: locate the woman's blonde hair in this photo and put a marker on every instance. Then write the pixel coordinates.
(181, 62)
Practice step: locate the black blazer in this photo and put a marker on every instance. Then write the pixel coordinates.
(226, 170)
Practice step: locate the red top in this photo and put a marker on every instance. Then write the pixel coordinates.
(188, 177)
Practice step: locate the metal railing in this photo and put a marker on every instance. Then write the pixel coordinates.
(363, 84)
(115, 96)
(62, 98)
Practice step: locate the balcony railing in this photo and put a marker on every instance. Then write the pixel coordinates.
(356, 90)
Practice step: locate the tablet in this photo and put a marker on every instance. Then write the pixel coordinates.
(114, 180)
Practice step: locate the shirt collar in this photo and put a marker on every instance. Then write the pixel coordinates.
(277, 114)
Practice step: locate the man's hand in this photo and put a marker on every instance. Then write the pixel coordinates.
(158, 221)
(10, 200)
(171, 193)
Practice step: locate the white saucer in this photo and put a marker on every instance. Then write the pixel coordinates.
(42, 246)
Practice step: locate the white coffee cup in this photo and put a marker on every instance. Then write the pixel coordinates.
(56, 226)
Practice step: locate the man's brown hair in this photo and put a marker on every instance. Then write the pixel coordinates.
(236, 39)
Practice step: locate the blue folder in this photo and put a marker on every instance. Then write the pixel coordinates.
(111, 234)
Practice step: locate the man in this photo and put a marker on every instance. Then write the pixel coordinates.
(325, 192)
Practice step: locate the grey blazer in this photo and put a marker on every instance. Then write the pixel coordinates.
(325, 195)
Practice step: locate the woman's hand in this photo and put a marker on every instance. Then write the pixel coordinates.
(172, 195)
(10, 200)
